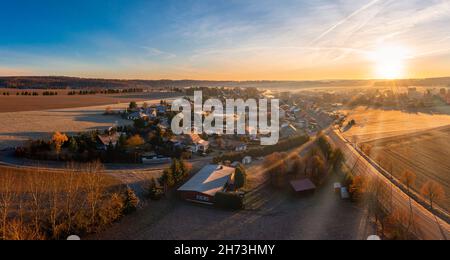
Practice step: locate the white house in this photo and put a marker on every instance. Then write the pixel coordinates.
(197, 144)
(247, 160)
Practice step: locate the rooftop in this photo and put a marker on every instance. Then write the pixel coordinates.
(303, 185)
(209, 180)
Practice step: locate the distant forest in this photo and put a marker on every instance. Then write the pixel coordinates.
(81, 83)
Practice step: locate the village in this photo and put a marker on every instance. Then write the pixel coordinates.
(149, 141)
(219, 171)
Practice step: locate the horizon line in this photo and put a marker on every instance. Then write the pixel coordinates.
(223, 80)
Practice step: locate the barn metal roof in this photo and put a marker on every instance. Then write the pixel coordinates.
(209, 180)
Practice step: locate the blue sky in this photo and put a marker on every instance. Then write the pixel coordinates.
(234, 39)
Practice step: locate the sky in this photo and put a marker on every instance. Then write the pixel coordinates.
(226, 39)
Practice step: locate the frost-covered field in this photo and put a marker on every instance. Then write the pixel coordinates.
(17, 127)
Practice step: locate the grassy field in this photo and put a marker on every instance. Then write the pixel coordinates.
(407, 141)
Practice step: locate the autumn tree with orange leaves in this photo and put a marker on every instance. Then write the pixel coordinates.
(135, 140)
(58, 139)
(433, 191)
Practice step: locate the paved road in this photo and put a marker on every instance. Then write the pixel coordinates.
(7, 158)
(429, 226)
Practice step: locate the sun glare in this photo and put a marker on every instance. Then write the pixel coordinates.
(390, 62)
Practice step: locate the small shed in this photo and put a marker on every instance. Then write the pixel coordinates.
(305, 186)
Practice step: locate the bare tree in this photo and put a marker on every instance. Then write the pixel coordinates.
(7, 196)
(376, 196)
(36, 186)
(72, 184)
(409, 179)
(94, 185)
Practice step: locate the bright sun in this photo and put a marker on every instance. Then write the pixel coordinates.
(390, 62)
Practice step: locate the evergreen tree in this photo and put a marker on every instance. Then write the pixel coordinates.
(73, 145)
(131, 201)
(240, 176)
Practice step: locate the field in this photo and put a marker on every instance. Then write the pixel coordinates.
(19, 126)
(373, 124)
(15, 103)
(425, 154)
(405, 141)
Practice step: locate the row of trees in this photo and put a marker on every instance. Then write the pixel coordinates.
(104, 91)
(282, 167)
(393, 223)
(37, 205)
(23, 93)
(49, 93)
(431, 190)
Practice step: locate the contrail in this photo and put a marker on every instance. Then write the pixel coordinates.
(332, 28)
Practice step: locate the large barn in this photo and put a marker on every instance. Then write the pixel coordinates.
(206, 183)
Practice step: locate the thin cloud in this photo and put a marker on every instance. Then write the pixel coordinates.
(154, 52)
(346, 19)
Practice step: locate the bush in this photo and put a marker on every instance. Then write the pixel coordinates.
(228, 200)
(154, 193)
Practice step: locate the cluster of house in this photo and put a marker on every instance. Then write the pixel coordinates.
(297, 119)
(444, 93)
(293, 121)
(191, 142)
(151, 112)
(427, 97)
(110, 139)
